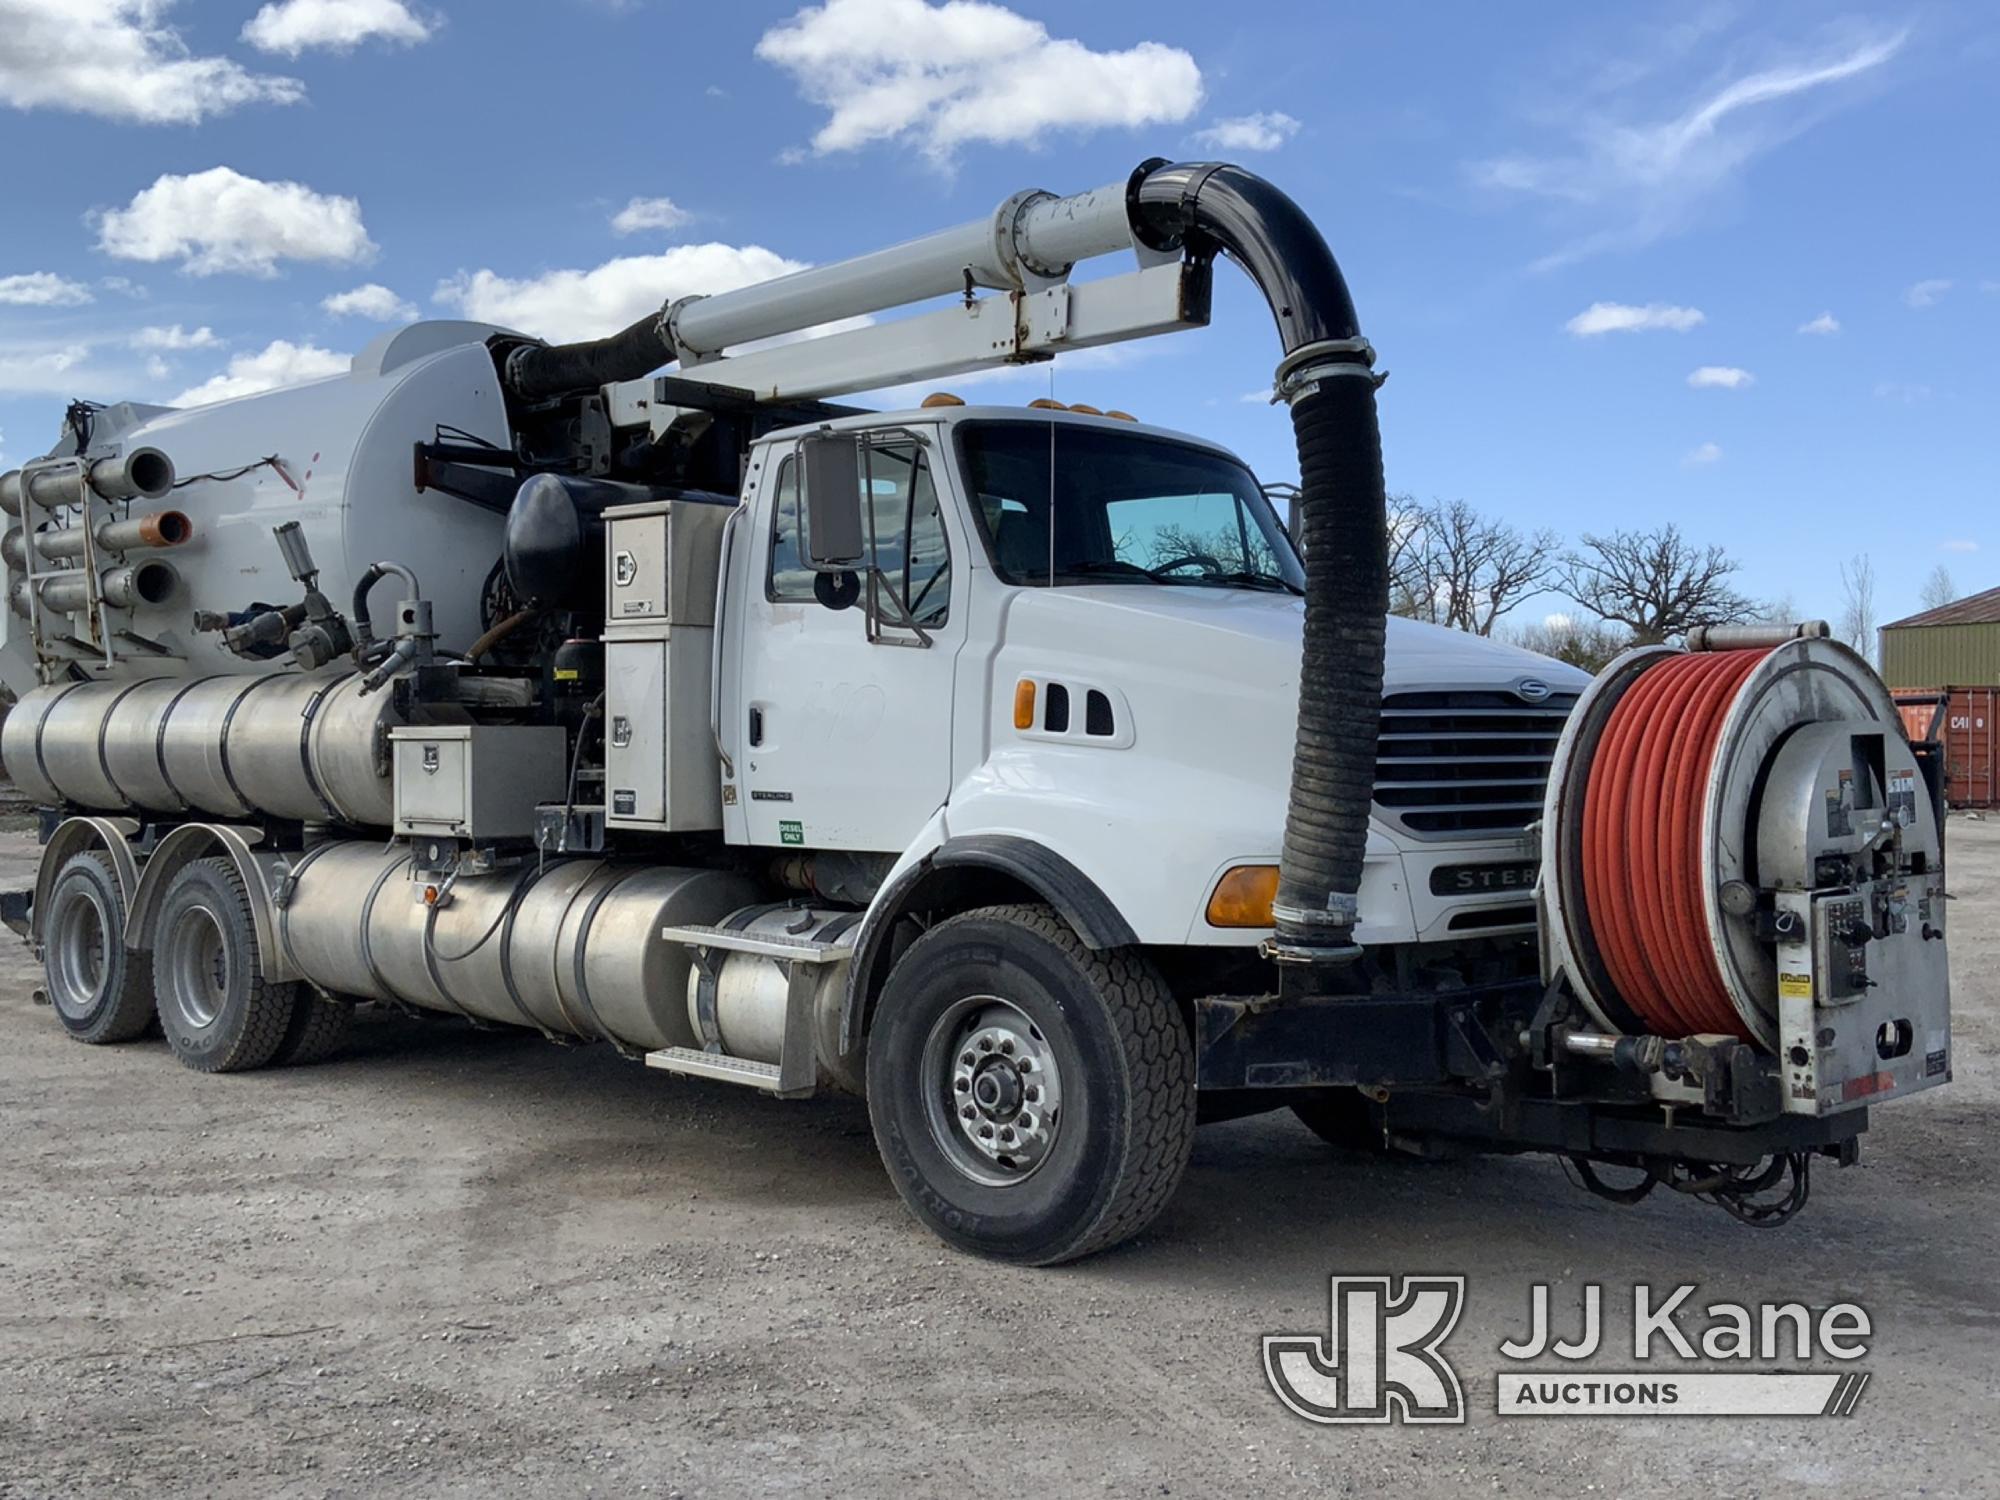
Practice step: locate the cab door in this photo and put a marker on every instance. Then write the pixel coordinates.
(841, 719)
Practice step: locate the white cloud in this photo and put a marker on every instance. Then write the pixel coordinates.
(1259, 132)
(1826, 322)
(124, 286)
(649, 213)
(1702, 456)
(940, 76)
(40, 369)
(43, 289)
(220, 220)
(293, 26)
(1256, 398)
(119, 59)
(1927, 293)
(579, 304)
(371, 300)
(175, 338)
(1621, 317)
(279, 362)
(1633, 172)
(1720, 378)
(1960, 544)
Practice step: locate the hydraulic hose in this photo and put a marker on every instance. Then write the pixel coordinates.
(1328, 379)
(537, 371)
(1642, 831)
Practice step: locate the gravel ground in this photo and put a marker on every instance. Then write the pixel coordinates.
(455, 1262)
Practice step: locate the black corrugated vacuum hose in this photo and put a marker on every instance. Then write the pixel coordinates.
(536, 371)
(1343, 530)
(1327, 378)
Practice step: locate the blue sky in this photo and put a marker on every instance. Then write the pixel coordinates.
(1552, 217)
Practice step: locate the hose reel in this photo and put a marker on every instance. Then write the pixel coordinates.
(1737, 842)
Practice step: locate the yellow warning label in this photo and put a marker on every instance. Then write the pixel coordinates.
(566, 674)
(1794, 986)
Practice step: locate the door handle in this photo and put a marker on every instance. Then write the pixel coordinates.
(756, 727)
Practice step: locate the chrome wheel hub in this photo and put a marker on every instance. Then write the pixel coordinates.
(194, 967)
(994, 1092)
(77, 952)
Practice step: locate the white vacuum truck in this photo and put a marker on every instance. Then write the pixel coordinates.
(1018, 767)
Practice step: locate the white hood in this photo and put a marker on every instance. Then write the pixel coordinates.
(1240, 633)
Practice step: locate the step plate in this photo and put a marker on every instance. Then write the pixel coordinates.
(798, 950)
(697, 1064)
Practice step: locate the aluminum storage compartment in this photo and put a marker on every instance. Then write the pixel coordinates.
(476, 781)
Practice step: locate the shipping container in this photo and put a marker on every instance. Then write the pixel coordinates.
(1962, 719)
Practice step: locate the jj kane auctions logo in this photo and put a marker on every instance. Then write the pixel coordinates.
(1382, 1358)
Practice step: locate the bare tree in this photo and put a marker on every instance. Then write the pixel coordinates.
(1656, 584)
(1450, 565)
(1589, 644)
(1939, 590)
(1857, 604)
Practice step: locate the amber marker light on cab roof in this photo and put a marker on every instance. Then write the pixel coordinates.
(1243, 897)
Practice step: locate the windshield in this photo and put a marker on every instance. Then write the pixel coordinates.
(1122, 508)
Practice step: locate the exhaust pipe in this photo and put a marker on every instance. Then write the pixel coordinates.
(1327, 378)
(141, 474)
(163, 528)
(150, 582)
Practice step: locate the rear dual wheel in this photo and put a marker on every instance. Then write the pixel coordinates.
(1033, 1098)
(220, 1014)
(100, 990)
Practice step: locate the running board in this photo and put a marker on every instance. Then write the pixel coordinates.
(722, 1069)
(796, 1074)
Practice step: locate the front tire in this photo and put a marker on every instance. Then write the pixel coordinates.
(219, 1013)
(101, 990)
(1032, 1098)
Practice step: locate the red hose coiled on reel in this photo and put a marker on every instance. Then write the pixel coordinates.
(1642, 830)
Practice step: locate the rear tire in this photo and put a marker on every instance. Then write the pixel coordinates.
(219, 1013)
(318, 1027)
(1032, 1098)
(100, 990)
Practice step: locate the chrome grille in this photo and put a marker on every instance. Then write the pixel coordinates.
(1466, 764)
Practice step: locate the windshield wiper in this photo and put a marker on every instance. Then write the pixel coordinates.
(1255, 581)
(1116, 567)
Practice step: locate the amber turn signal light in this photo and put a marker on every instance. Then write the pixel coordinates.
(1024, 704)
(1243, 897)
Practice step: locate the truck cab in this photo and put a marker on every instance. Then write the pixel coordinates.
(1080, 634)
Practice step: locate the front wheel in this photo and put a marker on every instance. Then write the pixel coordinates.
(1033, 1098)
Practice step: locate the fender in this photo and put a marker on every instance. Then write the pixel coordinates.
(261, 873)
(1073, 894)
(74, 836)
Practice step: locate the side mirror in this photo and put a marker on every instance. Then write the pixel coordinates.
(830, 464)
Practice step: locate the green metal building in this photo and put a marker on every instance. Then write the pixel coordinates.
(1955, 645)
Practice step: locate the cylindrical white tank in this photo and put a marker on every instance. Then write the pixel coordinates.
(336, 456)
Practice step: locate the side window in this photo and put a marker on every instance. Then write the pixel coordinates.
(790, 581)
(905, 520)
(910, 547)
